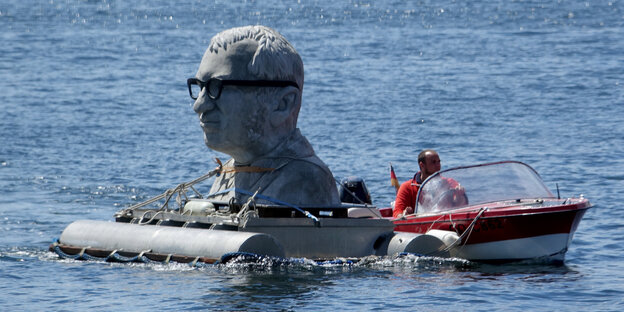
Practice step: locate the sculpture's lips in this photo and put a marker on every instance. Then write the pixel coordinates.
(209, 125)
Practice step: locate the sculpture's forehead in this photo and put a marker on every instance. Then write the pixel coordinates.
(230, 63)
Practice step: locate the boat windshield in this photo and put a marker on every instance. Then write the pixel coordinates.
(473, 185)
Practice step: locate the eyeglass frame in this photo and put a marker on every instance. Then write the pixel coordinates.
(245, 83)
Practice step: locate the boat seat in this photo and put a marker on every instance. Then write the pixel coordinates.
(359, 212)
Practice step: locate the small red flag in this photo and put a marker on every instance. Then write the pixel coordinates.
(393, 179)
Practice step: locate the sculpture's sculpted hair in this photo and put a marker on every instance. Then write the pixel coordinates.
(275, 57)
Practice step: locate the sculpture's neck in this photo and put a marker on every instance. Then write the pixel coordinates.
(263, 149)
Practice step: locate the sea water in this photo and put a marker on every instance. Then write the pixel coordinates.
(95, 116)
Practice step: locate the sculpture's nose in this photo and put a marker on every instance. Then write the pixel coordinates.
(203, 104)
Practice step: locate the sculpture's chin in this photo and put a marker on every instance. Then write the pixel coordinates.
(213, 143)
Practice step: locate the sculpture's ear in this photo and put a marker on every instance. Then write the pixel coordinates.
(285, 107)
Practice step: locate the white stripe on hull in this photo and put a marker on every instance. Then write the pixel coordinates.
(516, 249)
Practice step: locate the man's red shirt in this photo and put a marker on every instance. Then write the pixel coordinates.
(406, 196)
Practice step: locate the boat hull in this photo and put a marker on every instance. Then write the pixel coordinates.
(166, 240)
(501, 234)
(550, 247)
(326, 238)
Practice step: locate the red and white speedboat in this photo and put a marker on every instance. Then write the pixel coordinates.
(500, 212)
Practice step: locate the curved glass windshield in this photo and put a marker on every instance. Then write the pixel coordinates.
(459, 187)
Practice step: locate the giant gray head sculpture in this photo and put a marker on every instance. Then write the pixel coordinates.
(252, 81)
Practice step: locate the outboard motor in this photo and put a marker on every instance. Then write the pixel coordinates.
(351, 186)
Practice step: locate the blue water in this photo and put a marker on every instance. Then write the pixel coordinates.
(95, 115)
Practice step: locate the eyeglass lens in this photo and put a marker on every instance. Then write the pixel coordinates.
(212, 86)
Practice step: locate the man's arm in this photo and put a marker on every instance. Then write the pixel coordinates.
(404, 202)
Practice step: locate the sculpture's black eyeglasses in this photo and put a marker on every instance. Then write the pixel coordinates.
(214, 86)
